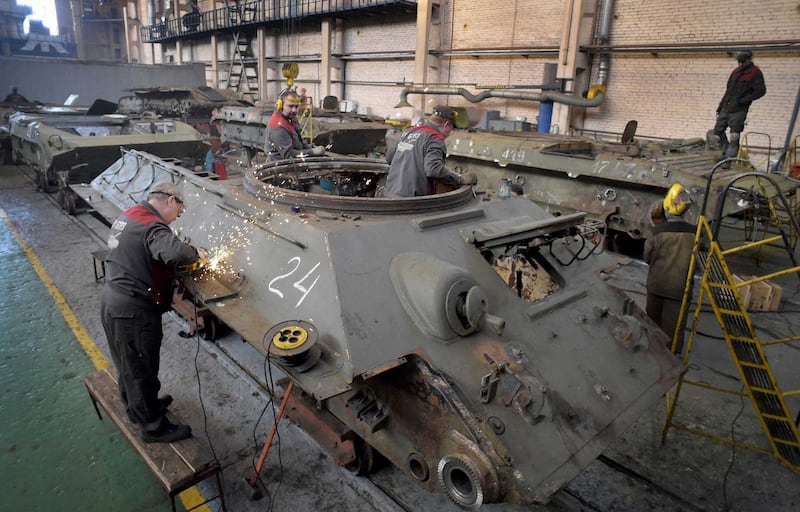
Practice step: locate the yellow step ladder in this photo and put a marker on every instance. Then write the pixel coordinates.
(722, 291)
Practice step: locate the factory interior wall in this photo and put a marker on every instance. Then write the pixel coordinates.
(669, 93)
(52, 81)
(676, 95)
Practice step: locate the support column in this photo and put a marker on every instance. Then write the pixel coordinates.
(421, 57)
(567, 53)
(176, 13)
(262, 64)
(214, 62)
(326, 62)
(273, 74)
(127, 29)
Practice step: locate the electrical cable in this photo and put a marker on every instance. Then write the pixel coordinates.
(200, 396)
(726, 506)
(268, 368)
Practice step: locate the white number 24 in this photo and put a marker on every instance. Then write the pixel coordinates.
(299, 285)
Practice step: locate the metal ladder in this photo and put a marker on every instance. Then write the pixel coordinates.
(243, 70)
(722, 291)
(306, 124)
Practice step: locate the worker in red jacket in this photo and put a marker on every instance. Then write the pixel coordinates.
(417, 162)
(284, 138)
(745, 85)
(142, 263)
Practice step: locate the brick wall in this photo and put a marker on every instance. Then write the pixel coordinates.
(676, 95)
(669, 94)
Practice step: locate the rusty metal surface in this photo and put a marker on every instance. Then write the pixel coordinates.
(465, 383)
(614, 183)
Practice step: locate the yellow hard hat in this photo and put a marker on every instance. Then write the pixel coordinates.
(677, 200)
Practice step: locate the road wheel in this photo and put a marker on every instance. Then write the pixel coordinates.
(67, 201)
(365, 459)
(210, 329)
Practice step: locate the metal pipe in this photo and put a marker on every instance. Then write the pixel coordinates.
(603, 37)
(785, 45)
(789, 131)
(567, 99)
(605, 22)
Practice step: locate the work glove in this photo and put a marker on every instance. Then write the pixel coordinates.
(199, 263)
(202, 260)
(468, 178)
(317, 151)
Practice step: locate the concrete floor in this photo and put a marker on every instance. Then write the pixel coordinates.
(221, 390)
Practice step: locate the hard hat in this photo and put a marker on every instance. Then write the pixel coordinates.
(677, 200)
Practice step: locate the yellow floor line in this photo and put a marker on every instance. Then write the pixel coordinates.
(192, 497)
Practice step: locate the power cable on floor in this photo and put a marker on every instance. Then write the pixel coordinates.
(200, 397)
(255, 438)
(268, 369)
(733, 453)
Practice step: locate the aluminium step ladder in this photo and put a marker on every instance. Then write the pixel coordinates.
(721, 289)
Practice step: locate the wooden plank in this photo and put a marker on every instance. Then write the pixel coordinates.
(175, 465)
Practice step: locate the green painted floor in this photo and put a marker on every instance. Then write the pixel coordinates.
(56, 454)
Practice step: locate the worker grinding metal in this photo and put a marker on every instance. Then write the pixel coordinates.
(284, 139)
(141, 267)
(745, 85)
(417, 161)
(669, 252)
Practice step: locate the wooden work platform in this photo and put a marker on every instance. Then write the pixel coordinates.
(177, 466)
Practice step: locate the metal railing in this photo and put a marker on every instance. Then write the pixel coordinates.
(258, 12)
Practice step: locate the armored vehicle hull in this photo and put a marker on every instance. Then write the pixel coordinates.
(473, 343)
(194, 106)
(617, 184)
(69, 149)
(342, 133)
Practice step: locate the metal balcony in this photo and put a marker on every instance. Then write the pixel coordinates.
(261, 12)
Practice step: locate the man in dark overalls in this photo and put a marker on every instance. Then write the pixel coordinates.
(745, 85)
(141, 267)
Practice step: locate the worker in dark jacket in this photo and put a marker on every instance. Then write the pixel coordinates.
(669, 254)
(417, 161)
(745, 85)
(15, 98)
(141, 266)
(284, 138)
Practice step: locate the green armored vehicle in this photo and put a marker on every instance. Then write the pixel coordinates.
(473, 342)
(615, 183)
(66, 149)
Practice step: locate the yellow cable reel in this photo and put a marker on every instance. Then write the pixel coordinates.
(290, 337)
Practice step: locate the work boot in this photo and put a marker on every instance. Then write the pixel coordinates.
(167, 432)
(163, 403)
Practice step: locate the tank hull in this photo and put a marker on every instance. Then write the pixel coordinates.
(618, 184)
(341, 133)
(431, 347)
(69, 149)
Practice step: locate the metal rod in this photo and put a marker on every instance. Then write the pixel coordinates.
(265, 450)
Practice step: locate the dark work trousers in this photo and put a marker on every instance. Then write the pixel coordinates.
(134, 338)
(734, 120)
(665, 312)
